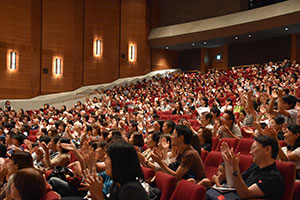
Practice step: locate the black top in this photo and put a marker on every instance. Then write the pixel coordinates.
(128, 191)
(268, 179)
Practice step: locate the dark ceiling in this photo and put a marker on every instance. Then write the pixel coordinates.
(275, 32)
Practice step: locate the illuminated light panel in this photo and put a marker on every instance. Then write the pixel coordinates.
(57, 66)
(132, 53)
(98, 47)
(12, 60)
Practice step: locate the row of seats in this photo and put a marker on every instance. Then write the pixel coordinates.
(187, 190)
(242, 145)
(169, 188)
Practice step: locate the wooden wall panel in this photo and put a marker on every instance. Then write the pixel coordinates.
(134, 29)
(190, 59)
(205, 60)
(20, 31)
(164, 59)
(101, 20)
(260, 51)
(295, 47)
(62, 35)
(182, 11)
(223, 51)
(155, 13)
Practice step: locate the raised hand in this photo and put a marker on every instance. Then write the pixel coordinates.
(164, 143)
(280, 92)
(90, 160)
(271, 132)
(69, 147)
(94, 183)
(229, 157)
(274, 94)
(45, 147)
(156, 155)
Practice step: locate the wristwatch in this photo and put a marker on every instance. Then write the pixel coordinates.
(235, 173)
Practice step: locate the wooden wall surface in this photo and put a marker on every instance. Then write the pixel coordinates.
(40, 30)
(164, 59)
(20, 31)
(260, 51)
(101, 21)
(62, 30)
(135, 28)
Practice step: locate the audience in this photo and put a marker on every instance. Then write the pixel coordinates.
(166, 122)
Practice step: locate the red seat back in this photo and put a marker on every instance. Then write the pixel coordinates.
(282, 143)
(214, 143)
(175, 117)
(288, 173)
(245, 162)
(246, 135)
(232, 142)
(244, 146)
(166, 183)
(148, 173)
(296, 190)
(164, 117)
(211, 163)
(50, 194)
(204, 154)
(73, 158)
(33, 132)
(187, 190)
(186, 117)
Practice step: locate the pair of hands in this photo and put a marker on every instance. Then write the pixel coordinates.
(93, 183)
(225, 128)
(232, 159)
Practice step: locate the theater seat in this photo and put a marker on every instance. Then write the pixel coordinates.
(164, 117)
(246, 135)
(32, 138)
(50, 194)
(186, 190)
(169, 112)
(204, 154)
(214, 143)
(166, 183)
(194, 122)
(296, 190)
(245, 162)
(282, 143)
(33, 132)
(288, 172)
(73, 158)
(148, 173)
(175, 117)
(186, 117)
(232, 142)
(244, 146)
(211, 163)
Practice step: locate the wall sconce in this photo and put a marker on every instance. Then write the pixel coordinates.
(98, 46)
(132, 53)
(12, 60)
(57, 65)
(219, 57)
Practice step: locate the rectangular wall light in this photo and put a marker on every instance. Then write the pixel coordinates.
(12, 60)
(57, 66)
(98, 47)
(132, 53)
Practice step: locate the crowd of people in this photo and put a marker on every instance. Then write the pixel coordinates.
(164, 124)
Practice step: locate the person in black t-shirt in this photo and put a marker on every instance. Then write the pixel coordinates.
(262, 179)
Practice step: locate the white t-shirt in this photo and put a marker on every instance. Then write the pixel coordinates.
(297, 152)
(292, 120)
